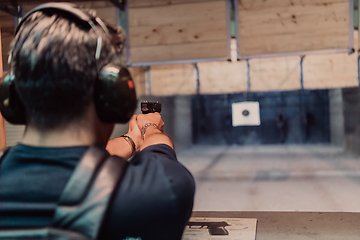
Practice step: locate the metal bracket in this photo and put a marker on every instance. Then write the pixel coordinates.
(147, 81)
(196, 68)
(301, 72)
(248, 77)
(119, 4)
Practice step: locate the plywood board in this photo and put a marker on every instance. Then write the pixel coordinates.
(186, 31)
(222, 77)
(330, 71)
(7, 32)
(179, 79)
(275, 74)
(6, 41)
(283, 26)
(177, 33)
(202, 50)
(138, 75)
(153, 3)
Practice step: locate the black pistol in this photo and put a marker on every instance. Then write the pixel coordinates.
(150, 107)
(214, 228)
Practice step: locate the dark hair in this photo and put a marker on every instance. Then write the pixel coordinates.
(55, 68)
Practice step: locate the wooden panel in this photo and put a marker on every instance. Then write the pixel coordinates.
(184, 13)
(2, 121)
(7, 32)
(222, 77)
(5, 44)
(283, 26)
(138, 74)
(270, 74)
(6, 20)
(153, 3)
(190, 33)
(176, 79)
(195, 30)
(331, 70)
(178, 52)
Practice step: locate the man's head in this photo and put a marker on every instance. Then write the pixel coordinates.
(53, 59)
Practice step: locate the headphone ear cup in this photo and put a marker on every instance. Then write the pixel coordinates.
(114, 94)
(11, 106)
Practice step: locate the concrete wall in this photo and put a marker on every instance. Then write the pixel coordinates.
(176, 114)
(306, 113)
(337, 132)
(351, 112)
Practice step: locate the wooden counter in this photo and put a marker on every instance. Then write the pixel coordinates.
(299, 225)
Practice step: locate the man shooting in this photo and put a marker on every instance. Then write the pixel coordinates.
(61, 57)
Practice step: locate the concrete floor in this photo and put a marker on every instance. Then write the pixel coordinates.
(274, 178)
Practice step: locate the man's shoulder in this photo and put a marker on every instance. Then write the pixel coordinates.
(159, 165)
(3, 153)
(162, 157)
(159, 150)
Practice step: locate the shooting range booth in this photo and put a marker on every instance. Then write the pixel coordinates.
(245, 79)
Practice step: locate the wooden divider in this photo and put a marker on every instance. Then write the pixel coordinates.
(138, 75)
(177, 30)
(283, 26)
(179, 79)
(154, 3)
(331, 70)
(275, 74)
(222, 77)
(7, 33)
(2, 121)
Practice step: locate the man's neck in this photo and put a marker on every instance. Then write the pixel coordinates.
(87, 131)
(62, 137)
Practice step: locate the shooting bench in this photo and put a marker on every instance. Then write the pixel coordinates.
(298, 225)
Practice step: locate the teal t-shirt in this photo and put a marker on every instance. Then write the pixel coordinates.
(154, 201)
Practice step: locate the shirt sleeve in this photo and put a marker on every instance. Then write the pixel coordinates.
(180, 180)
(155, 199)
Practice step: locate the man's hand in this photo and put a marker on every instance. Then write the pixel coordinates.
(121, 147)
(135, 133)
(152, 135)
(155, 118)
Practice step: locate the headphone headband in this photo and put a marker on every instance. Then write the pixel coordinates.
(79, 14)
(67, 8)
(114, 94)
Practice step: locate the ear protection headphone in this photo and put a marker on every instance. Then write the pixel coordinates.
(114, 91)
